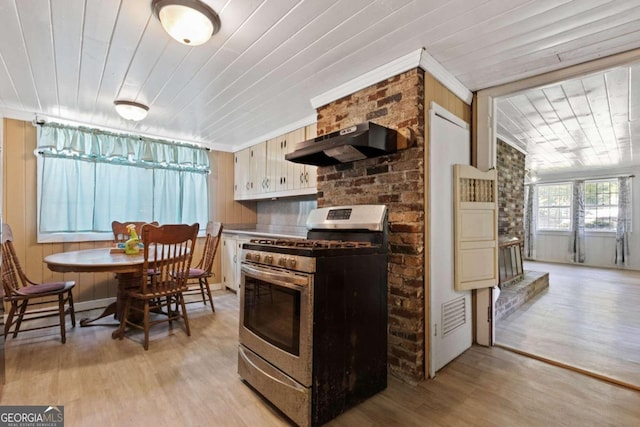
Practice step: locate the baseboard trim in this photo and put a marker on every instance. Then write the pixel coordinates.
(570, 367)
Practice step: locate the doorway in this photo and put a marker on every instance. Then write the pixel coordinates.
(585, 304)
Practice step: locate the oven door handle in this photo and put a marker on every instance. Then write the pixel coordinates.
(284, 280)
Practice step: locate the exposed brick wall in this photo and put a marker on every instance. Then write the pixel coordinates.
(397, 181)
(510, 191)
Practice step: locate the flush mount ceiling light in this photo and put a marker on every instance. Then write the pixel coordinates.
(131, 110)
(190, 22)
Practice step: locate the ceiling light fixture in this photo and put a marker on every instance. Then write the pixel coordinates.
(131, 110)
(190, 22)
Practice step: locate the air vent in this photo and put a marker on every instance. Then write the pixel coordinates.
(453, 315)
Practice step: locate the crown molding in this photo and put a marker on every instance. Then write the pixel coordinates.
(309, 120)
(417, 58)
(511, 143)
(433, 67)
(393, 68)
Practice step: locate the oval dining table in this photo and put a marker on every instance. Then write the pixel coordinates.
(127, 267)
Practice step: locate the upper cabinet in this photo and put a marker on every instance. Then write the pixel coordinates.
(249, 172)
(261, 171)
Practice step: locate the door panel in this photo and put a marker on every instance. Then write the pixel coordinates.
(450, 311)
(476, 231)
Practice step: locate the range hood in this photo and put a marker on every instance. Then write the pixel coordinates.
(347, 145)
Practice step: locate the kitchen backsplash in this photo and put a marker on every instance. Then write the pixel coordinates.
(284, 216)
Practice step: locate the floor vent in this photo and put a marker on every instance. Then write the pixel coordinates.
(453, 315)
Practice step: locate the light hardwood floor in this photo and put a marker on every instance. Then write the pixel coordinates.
(588, 318)
(184, 381)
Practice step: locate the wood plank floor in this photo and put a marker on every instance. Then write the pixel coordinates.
(184, 381)
(588, 318)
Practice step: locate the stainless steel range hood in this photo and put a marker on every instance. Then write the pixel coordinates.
(347, 145)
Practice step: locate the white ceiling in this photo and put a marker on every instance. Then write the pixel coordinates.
(70, 59)
(582, 124)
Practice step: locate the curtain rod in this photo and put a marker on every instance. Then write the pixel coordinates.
(119, 134)
(582, 179)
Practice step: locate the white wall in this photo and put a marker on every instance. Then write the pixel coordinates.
(599, 246)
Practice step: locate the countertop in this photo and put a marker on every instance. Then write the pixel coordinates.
(279, 232)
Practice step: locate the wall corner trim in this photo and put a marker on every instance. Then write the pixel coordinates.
(433, 67)
(417, 58)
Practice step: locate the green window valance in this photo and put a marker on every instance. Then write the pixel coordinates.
(56, 140)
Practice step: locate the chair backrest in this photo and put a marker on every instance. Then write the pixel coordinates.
(168, 251)
(120, 232)
(13, 278)
(214, 234)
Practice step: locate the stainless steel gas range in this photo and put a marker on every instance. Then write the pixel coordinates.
(313, 314)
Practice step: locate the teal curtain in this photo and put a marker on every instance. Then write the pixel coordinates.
(90, 178)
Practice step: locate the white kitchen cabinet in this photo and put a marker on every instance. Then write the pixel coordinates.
(261, 171)
(305, 176)
(249, 172)
(231, 262)
(241, 174)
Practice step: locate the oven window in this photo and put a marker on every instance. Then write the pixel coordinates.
(272, 312)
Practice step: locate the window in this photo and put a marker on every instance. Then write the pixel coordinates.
(88, 178)
(601, 205)
(554, 207)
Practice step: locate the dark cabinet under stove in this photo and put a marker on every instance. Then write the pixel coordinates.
(349, 333)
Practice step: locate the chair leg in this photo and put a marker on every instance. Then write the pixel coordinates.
(23, 308)
(204, 283)
(170, 313)
(123, 321)
(184, 313)
(146, 324)
(204, 300)
(63, 333)
(72, 310)
(12, 312)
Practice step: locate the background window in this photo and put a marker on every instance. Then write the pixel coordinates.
(601, 205)
(554, 207)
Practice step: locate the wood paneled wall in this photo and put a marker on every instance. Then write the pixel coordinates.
(436, 92)
(19, 185)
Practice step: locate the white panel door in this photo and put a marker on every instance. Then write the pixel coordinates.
(450, 320)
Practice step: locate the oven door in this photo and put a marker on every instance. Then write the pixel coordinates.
(276, 316)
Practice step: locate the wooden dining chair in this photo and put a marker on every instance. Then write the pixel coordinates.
(198, 279)
(21, 293)
(120, 232)
(168, 251)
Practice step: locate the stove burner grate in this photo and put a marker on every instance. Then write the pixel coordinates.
(322, 244)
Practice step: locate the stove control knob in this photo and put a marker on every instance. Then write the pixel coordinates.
(282, 262)
(256, 257)
(292, 262)
(248, 257)
(268, 259)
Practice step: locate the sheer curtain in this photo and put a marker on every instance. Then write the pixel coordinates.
(89, 178)
(624, 221)
(529, 221)
(576, 240)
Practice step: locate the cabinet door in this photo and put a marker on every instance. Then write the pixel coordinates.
(294, 172)
(310, 173)
(241, 174)
(229, 260)
(258, 168)
(274, 165)
(238, 265)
